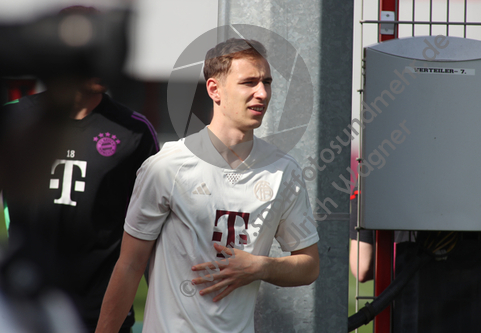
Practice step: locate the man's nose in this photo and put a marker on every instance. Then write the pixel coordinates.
(262, 91)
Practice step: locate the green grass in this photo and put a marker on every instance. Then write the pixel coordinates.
(139, 301)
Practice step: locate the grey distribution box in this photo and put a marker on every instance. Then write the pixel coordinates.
(421, 136)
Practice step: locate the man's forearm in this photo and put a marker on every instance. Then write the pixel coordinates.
(242, 268)
(124, 282)
(300, 268)
(366, 260)
(118, 298)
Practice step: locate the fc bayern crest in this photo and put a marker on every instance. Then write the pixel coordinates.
(263, 191)
(106, 144)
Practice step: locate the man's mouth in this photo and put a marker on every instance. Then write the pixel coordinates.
(257, 108)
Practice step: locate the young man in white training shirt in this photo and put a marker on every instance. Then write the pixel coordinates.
(206, 209)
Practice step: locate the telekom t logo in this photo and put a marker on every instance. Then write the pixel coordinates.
(236, 232)
(67, 180)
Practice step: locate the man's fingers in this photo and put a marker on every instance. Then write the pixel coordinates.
(210, 271)
(221, 248)
(213, 265)
(216, 287)
(223, 294)
(213, 275)
(228, 254)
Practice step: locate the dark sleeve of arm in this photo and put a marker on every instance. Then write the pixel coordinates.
(149, 140)
(149, 144)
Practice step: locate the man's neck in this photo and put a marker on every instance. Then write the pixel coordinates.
(230, 136)
(234, 145)
(84, 104)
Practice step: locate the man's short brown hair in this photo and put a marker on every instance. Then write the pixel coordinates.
(219, 59)
(78, 9)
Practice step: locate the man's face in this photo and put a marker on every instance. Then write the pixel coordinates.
(245, 93)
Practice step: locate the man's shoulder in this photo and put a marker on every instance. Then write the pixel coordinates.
(26, 102)
(111, 103)
(172, 155)
(173, 148)
(21, 111)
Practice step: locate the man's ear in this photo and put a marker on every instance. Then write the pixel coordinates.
(213, 86)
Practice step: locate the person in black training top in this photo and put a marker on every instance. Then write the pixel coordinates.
(71, 222)
(78, 223)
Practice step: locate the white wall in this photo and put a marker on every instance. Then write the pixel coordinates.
(163, 29)
(160, 29)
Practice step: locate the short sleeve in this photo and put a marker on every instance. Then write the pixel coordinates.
(150, 202)
(297, 228)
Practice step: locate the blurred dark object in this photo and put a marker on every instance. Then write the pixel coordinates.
(444, 295)
(28, 304)
(30, 139)
(92, 45)
(61, 50)
(18, 87)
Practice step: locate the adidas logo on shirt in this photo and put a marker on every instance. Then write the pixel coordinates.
(202, 190)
